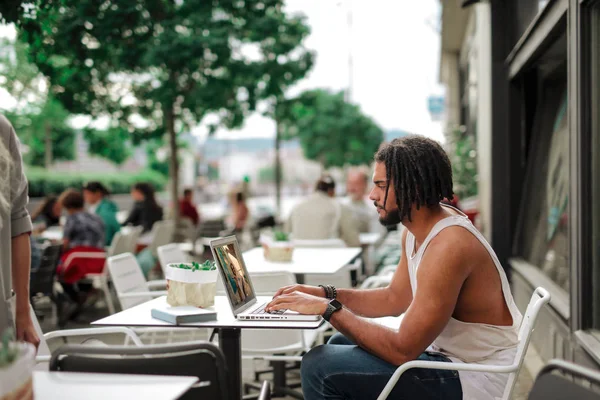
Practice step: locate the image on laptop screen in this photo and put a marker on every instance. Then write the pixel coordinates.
(234, 275)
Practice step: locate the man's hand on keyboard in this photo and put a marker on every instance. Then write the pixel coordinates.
(299, 302)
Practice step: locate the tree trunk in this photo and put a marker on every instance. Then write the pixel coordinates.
(278, 168)
(173, 168)
(48, 146)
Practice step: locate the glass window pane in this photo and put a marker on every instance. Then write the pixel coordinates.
(544, 239)
(595, 115)
(527, 10)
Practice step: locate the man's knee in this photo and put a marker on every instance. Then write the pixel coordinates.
(339, 339)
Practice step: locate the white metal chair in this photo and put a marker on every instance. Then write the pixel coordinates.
(276, 345)
(162, 234)
(133, 234)
(169, 254)
(539, 298)
(43, 355)
(118, 245)
(133, 289)
(321, 243)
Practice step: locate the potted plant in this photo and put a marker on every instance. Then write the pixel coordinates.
(191, 284)
(16, 369)
(278, 247)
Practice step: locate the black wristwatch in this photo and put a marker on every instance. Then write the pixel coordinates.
(332, 307)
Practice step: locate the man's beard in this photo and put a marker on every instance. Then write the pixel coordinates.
(390, 218)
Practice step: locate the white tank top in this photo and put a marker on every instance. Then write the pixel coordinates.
(472, 342)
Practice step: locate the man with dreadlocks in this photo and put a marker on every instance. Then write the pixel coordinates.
(449, 286)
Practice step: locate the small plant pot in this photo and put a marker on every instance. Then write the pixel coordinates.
(191, 288)
(277, 251)
(16, 379)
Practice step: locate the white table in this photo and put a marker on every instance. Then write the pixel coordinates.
(76, 386)
(305, 260)
(53, 233)
(369, 238)
(229, 327)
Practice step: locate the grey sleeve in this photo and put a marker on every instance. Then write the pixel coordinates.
(20, 219)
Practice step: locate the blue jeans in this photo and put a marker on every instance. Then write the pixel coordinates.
(342, 370)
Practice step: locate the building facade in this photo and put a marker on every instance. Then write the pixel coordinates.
(534, 105)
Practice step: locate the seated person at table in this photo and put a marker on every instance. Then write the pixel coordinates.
(322, 217)
(187, 208)
(96, 195)
(83, 233)
(449, 285)
(146, 211)
(358, 202)
(47, 214)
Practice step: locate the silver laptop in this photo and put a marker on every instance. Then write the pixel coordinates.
(239, 288)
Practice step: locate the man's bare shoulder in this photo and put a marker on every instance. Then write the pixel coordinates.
(457, 247)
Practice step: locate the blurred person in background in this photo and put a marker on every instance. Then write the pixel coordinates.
(240, 213)
(15, 227)
(187, 208)
(47, 214)
(83, 233)
(96, 195)
(357, 184)
(321, 217)
(146, 211)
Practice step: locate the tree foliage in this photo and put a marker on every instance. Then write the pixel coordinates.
(332, 131)
(171, 62)
(36, 115)
(463, 156)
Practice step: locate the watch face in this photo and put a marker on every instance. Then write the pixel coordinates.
(336, 304)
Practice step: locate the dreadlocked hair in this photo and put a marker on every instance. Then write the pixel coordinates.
(419, 169)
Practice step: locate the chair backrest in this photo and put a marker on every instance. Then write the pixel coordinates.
(551, 386)
(171, 253)
(127, 277)
(133, 236)
(162, 234)
(539, 298)
(42, 278)
(211, 227)
(267, 284)
(119, 244)
(324, 243)
(201, 359)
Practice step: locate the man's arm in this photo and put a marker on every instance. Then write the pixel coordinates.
(382, 302)
(441, 275)
(442, 272)
(20, 247)
(373, 303)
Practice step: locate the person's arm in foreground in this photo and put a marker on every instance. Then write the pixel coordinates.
(439, 286)
(21, 248)
(372, 303)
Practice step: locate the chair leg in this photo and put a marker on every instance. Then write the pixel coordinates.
(107, 295)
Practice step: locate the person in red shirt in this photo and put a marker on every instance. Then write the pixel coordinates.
(187, 208)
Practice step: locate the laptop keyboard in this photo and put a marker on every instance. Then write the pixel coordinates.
(261, 310)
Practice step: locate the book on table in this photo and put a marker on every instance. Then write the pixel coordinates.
(183, 314)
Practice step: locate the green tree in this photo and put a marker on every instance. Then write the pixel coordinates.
(39, 119)
(333, 132)
(463, 155)
(111, 144)
(171, 62)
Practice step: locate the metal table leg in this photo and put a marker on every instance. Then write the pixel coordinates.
(230, 343)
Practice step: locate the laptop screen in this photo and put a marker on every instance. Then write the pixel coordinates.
(234, 274)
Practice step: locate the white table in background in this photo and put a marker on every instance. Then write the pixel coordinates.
(369, 238)
(76, 386)
(305, 260)
(53, 233)
(229, 329)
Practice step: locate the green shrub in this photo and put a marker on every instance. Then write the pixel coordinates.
(43, 182)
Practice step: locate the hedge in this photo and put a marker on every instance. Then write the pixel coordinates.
(43, 182)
